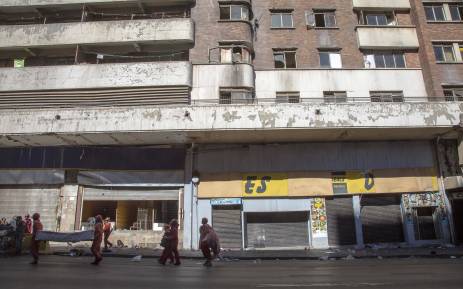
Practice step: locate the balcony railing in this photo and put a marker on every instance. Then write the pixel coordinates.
(328, 100)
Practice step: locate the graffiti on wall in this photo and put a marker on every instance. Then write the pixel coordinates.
(319, 222)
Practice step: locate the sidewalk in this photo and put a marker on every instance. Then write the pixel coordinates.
(313, 254)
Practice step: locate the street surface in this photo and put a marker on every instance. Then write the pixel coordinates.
(56, 272)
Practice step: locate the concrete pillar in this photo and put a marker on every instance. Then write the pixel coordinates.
(358, 221)
(68, 207)
(188, 202)
(320, 240)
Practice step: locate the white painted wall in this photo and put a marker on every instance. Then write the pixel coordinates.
(171, 31)
(176, 73)
(207, 79)
(357, 82)
(396, 4)
(389, 37)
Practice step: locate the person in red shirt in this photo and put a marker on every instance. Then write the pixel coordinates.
(36, 227)
(97, 239)
(172, 247)
(107, 231)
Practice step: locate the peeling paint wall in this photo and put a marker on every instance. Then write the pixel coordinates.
(166, 31)
(396, 4)
(83, 76)
(390, 37)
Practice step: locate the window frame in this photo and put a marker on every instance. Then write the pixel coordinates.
(281, 13)
(383, 55)
(387, 96)
(325, 13)
(441, 46)
(230, 100)
(337, 96)
(231, 47)
(454, 96)
(284, 52)
(433, 7)
(287, 97)
(230, 6)
(329, 52)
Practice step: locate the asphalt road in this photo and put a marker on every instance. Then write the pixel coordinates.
(75, 272)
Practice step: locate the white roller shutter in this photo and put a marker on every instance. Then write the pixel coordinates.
(20, 201)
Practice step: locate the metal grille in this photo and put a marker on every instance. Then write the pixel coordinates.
(341, 224)
(381, 219)
(227, 224)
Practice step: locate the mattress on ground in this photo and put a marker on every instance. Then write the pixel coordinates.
(72, 237)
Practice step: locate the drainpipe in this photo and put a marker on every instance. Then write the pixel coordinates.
(192, 149)
(448, 208)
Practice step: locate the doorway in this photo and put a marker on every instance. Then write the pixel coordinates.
(425, 223)
(457, 207)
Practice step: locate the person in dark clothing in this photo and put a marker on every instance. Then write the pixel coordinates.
(19, 234)
(97, 238)
(107, 231)
(172, 246)
(28, 221)
(166, 243)
(36, 227)
(208, 240)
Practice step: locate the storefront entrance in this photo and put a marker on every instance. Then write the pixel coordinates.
(457, 207)
(277, 229)
(227, 224)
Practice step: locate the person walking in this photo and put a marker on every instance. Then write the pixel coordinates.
(97, 239)
(166, 243)
(107, 231)
(208, 241)
(172, 246)
(35, 244)
(19, 234)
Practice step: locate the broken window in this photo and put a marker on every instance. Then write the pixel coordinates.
(229, 95)
(386, 96)
(288, 97)
(235, 54)
(334, 96)
(284, 59)
(321, 19)
(453, 93)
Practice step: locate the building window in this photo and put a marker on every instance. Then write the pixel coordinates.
(282, 20)
(321, 19)
(386, 96)
(444, 52)
(453, 93)
(235, 54)
(334, 96)
(444, 12)
(456, 12)
(385, 60)
(288, 97)
(284, 59)
(435, 12)
(330, 59)
(378, 18)
(228, 95)
(234, 12)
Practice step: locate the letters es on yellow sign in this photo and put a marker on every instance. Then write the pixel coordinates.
(265, 185)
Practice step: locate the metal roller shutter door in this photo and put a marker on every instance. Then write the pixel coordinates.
(381, 219)
(22, 201)
(227, 224)
(282, 229)
(340, 220)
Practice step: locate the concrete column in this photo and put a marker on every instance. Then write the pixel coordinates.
(319, 241)
(358, 221)
(68, 207)
(188, 202)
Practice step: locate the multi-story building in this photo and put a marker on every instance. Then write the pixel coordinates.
(288, 123)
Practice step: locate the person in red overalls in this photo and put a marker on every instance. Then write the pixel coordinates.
(97, 238)
(208, 240)
(172, 248)
(107, 231)
(36, 227)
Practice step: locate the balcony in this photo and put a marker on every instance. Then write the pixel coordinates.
(375, 4)
(213, 123)
(43, 3)
(387, 37)
(159, 31)
(95, 85)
